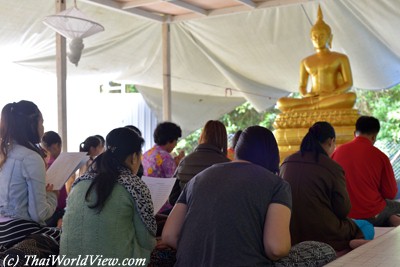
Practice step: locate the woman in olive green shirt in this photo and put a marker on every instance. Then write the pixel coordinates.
(109, 210)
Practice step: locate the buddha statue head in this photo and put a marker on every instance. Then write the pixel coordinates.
(321, 34)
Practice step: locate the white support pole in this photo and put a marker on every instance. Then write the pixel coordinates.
(166, 54)
(61, 69)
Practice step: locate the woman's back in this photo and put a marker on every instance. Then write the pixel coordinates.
(109, 210)
(320, 199)
(227, 204)
(22, 186)
(117, 231)
(212, 149)
(204, 156)
(238, 213)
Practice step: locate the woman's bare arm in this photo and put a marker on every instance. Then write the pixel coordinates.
(277, 241)
(173, 225)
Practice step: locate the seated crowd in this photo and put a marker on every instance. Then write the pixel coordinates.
(246, 210)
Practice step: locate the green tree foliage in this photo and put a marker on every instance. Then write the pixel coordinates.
(238, 119)
(130, 88)
(116, 88)
(385, 106)
(382, 104)
(245, 115)
(189, 143)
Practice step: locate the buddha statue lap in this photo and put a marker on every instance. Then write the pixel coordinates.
(329, 98)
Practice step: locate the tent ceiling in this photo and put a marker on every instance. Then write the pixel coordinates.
(251, 55)
(178, 10)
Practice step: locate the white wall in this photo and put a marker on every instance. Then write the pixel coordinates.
(89, 111)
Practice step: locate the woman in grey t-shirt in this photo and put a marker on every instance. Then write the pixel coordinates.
(238, 213)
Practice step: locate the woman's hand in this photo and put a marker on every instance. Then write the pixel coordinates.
(49, 188)
(161, 245)
(179, 157)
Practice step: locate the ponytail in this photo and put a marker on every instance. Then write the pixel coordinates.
(317, 135)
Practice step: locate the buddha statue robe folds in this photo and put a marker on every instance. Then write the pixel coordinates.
(328, 99)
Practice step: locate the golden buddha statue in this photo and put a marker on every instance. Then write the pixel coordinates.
(330, 75)
(327, 100)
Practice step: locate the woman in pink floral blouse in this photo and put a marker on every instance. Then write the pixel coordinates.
(158, 162)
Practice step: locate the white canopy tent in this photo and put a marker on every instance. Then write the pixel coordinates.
(217, 62)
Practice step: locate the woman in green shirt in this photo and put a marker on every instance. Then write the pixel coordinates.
(109, 211)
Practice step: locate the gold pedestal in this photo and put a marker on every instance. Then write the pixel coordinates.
(292, 126)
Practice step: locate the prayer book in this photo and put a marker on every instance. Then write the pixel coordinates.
(160, 188)
(64, 166)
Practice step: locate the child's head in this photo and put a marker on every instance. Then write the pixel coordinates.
(51, 142)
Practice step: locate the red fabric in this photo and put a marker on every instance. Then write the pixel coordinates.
(369, 177)
(231, 153)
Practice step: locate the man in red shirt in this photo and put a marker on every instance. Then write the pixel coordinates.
(369, 176)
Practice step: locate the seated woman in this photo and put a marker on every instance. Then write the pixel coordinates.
(25, 199)
(158, 161)
(212, 149)
(137, 130)
(102, 141)
(93, 146)
(238, 213)
(109, 210)
(320, 199)
(52, 144)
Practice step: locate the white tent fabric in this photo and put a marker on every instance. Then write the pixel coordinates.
(223, 60)
(200, 107)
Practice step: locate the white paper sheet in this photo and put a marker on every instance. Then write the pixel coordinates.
(64, 166)
(160, 188)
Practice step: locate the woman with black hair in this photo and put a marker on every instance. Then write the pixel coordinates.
(137, 130)
(93, 146)
(102, 141)
(25, 199)
(109, 209)
(52, 145)
(157, 161)
(238, 213)
(320, 199)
